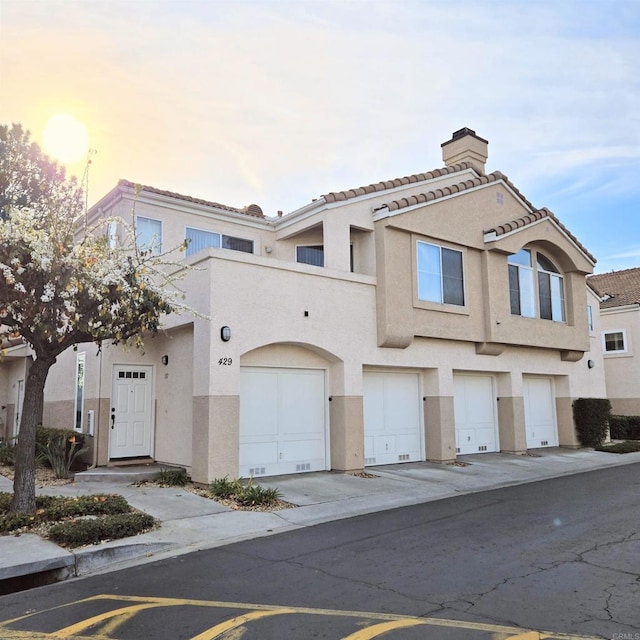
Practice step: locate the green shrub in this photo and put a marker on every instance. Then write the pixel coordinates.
(248, 495)
(629, 446)
(7, 452)
(60, 450)
(83, 531)
(255, 495)
(625, 427)
(44, 434)
(94, 505)
(12, 521)
(5, 501)
(591, 417)
(173, 477)
(224, 488)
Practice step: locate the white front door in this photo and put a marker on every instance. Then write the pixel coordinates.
(131, 416)
(391, 417)
(539, 412)
(474, 407)
(282, 421)
(19, 403)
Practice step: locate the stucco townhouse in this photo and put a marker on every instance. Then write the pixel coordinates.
(421, 318)
(620, 318)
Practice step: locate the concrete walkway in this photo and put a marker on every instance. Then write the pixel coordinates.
(190, 522)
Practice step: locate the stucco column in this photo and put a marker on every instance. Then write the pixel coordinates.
(337, 242)
(216, 381)
(439, 419)
(511, 423)
(346, 417)
(567, 436)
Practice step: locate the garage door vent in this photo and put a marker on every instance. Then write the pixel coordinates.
(544, 443)
(369, 460)
(403, 457)
(303, 467)
(482, 447)
(257, 471)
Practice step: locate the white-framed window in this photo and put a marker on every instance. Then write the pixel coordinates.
(614, 341)
(550, 290)
(310, 254)
(524, 274)
(198, 239)
(590, 317)
(79, 396)
(521, 284)
(440, 274)
(149, 234)
(112, 234)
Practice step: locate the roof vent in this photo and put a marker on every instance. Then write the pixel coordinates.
(466, 146)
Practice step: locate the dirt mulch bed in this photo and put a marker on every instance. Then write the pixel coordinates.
(44, 476)
(202, 491)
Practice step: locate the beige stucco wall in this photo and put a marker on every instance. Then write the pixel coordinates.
(623, 369)
(13, 370)
(458, 223)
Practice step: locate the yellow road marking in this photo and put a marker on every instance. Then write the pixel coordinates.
(378, 629)
(125, 613)
(238, 621)
(120, 615)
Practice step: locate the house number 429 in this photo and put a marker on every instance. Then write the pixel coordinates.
(225, 362)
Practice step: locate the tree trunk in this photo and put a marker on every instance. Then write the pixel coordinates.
(24, 482)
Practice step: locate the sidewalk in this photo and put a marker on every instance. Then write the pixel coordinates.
(190, 522)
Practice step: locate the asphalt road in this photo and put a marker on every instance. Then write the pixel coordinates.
(560, 556)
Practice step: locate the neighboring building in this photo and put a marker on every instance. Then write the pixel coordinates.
(421, 318)
(620, 317)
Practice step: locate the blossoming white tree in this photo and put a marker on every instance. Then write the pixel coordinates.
(59, 287)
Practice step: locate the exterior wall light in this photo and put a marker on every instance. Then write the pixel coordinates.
(591, 364)
(225, 334)
(165, 360)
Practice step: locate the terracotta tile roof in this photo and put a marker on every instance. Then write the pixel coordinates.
(429, 196)
(533, 217)
(623, 287)
(251, 210)
(337, 196)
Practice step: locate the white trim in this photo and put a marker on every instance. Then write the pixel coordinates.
(621, 309)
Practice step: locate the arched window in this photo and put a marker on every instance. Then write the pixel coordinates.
(532, 276)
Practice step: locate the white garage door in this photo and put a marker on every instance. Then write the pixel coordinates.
(474, 409)
(539, 412)
(282, 421)
(391, 418)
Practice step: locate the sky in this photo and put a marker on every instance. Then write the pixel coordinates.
(275, 102)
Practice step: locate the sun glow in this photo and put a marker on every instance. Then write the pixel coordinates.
(66, 138)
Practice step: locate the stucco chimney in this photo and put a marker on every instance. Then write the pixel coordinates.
(466, 146)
